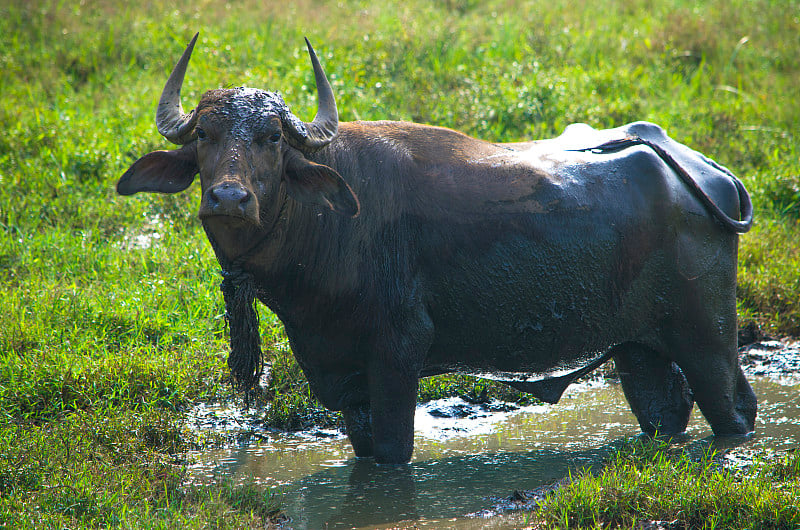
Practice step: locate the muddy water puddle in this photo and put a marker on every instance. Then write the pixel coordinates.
(468, 460)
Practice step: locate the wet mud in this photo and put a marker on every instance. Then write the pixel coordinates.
(771, 358)
(477, 465)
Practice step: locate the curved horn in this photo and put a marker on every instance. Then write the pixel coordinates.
(171, 121)
(325, 126)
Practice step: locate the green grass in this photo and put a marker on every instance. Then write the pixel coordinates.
(110, 316)
(649, 481)
(114, 469)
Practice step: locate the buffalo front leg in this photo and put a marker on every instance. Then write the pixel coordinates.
(393, 400)
(655, 388)
(393, 377)
(358, 429)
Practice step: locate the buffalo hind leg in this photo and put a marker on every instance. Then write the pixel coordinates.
(702, 341)
(358, 429)
(655, 388)
(723, 394)
(700, 332)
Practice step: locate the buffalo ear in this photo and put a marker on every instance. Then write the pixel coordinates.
(309, 182)
(162, 171)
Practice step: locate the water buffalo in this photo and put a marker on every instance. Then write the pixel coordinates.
(393, 251)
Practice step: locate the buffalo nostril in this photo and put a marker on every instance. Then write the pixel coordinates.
(227, 198)
(229, 193)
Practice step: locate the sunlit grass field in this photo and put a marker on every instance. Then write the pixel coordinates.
(110, 316)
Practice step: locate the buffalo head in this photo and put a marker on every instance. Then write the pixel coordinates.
(249, 149)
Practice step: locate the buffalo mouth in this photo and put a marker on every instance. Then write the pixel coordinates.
(232, 219)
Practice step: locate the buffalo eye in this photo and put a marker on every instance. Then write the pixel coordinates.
(201, 134)
(275, 137)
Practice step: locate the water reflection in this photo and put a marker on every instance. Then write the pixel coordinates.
(458, 470)
(364, 494)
